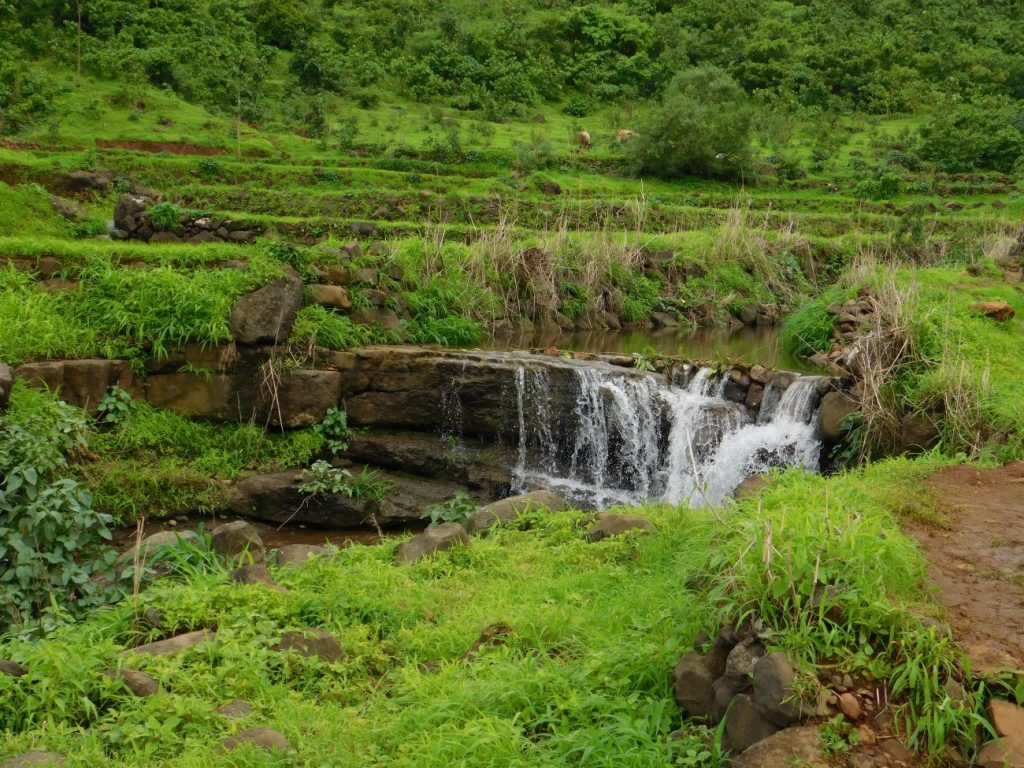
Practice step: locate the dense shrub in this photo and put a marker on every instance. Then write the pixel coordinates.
(970, 137)
(702, 127)
(52, 543)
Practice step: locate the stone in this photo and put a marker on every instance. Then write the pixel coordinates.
(202, 396)
(755, 394)
(139, 683)
(917, 433)
(550, 187)
(896, 750)
(363, 228)
(999, 311)
(237, 540)
(739, 665)
(835, 406)
(338, 275)
(299, 553)
(609, 524)
(175, 644)
(366, 276)
(162, 236)
(692, 679)
(1008, 721)
(751, 487)
(507, 510)
(266, 739)
(154, 617)
(257, 573)
(201, 237)
(35, 759)
(999, 754)
(236, 709)
(129, 209)
(745, 724)
(6, 382)
(266, 315)
(12, 669)
(161, 540)
(849, 706)
(436, 538)
(333, 296)
(773, 690)
(85, 181)
(301, 398)
(312, 643)
(664, 320)
(791, 747)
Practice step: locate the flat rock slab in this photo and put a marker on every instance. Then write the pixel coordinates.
(435, 539)
(264, 738)
(34, 760)
(980, 552)
(507, 510)
(312, 643)
(798, 746)
(175, 644)
(609, 525)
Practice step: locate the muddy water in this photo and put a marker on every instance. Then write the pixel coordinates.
(745, 345)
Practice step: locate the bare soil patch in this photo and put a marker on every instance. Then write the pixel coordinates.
(977, 561)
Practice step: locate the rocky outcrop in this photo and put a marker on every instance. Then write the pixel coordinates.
(436, 538)
(266, 315)
(133, 219)
(82, 383)
(507, 510)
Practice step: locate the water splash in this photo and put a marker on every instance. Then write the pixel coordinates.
(631, 439)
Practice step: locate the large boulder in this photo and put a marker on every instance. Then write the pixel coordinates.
(609, 524)
(333, 296)
(237, 540)
(82, 383)
(774, 692)
(507, 510)
(435, 539)
(835, 406)
(201, 396)
(692, 679)
(745, 725)
(266, 315)
(791, 747)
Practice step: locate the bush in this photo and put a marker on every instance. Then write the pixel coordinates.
(577, 106)
(809, 328)
(52, 543)
(971, 137)
(319, 326)
(702, 127)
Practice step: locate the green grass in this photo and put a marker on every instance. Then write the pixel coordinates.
(595, 631)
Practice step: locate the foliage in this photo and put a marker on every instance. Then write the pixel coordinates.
(55, 563)
(702, 127)
(334, 429)
(115, 406)
(166, 216)
(975, 136)
(457, 509)
(808, 329)
(321, 479)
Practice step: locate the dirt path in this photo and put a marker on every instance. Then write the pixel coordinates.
(977, 561)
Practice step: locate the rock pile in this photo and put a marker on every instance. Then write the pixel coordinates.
(133, 221)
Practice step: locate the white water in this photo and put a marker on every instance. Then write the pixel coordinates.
(630, 439)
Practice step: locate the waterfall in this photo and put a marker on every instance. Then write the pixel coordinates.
(629, 439)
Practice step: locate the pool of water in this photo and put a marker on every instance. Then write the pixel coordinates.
(744, 345)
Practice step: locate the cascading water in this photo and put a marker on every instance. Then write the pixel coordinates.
(631, 439)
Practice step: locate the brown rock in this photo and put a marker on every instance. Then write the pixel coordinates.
(12, 669)
(175, 644)
(255, 574)
(264, 738)
(237, 540)
(745, 725)
(436, 538)
(693, 678)
(6, 382)
(333, 296)
(999, 311)
(798, 746)
(236, 709)
(999, 754)
(301, 398)
(507, 510)
(1008, 721)
(849, 706)
(266, 315)
(835, 406)
(299, 553)
(312, 643)
(139, 683)
(609, 524)
(751, 487)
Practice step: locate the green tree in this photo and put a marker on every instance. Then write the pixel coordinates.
(702, 127)
(968, 137)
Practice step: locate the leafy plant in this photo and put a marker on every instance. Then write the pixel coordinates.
(54, 560)
(166, 216)
(457, 509)
(115, 406)
(838, 735)
(335, 430)
(322, 479)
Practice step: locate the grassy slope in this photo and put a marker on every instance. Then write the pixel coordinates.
(584, 676)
